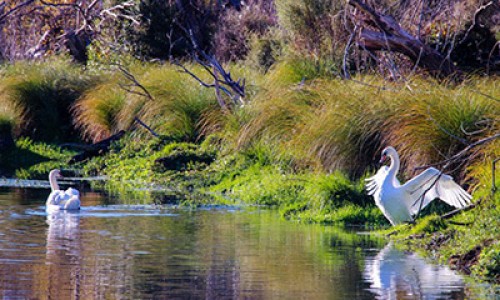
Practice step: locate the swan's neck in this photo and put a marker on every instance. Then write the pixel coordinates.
(53, 182)
(394, 167)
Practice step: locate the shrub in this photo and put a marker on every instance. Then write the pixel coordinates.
(315, 28)
(237, 27)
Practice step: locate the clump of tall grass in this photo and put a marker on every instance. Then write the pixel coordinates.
(179, 102)
(39, 95)
(345, 132)
(436, 121)
(175, 108)
(96, 112)
(344, 124)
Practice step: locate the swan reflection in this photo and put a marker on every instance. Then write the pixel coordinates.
(63, 253)
(394, 274)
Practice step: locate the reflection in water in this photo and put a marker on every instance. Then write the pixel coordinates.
(63, 248)
(394, 274)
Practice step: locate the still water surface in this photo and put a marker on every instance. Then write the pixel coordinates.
(108, 251)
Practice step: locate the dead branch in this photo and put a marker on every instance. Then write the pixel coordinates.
(97, 149)
(145, 93)
(223, 81)
(14, 9)
(455, 212)
(493, 175)
(136, 119)
(475, 20)
(447, 162)
(391, 37)
(114, 12)
(135, 83)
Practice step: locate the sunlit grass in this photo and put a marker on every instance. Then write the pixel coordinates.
(96, 112)
(39, 95)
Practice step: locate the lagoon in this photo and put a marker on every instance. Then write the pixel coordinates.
(114, 251)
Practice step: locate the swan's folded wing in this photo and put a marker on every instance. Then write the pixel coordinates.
(54, 198)
(374, 183)
(434, 184)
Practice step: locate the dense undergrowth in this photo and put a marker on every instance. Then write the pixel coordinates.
(302, 143)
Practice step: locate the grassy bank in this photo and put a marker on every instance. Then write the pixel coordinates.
(302, 143)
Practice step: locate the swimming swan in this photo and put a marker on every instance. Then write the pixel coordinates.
(58, 199)
(400, 202)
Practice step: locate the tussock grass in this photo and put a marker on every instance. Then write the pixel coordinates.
(342, 125)
(39, 95)
(438, 121)
(175, 111)
(96, 112)
(178, 103)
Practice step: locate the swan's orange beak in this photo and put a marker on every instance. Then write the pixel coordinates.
(382, 159)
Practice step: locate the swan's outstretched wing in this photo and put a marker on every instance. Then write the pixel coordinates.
(435, 185)
(374, 183)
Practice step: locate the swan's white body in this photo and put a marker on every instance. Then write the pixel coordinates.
(58, 199)
(399, 202)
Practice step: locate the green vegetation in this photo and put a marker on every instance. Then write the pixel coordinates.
(39, 96)
(32, 160)
(303, 142)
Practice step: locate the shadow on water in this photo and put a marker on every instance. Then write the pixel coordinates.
(147, 251)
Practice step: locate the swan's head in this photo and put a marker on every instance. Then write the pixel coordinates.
(388, 152)
(55, 174)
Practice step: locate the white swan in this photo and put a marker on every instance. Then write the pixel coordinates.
(400, 202)
(58, 199)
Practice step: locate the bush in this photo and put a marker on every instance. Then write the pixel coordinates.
(164, 24)
(315, 28)
(238, 27)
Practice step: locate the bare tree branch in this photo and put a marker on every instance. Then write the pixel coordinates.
(475, 20)
(135, 83)
(393, 38)
(14, 9)
(147, 127)
(462, 153)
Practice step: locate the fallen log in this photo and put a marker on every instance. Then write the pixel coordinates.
(97, 149)
(395, 39)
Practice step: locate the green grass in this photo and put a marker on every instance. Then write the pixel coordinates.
(33, 160)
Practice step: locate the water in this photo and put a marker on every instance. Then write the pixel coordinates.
(144, 252)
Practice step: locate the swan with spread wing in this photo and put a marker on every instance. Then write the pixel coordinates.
(59, 199)
(399, 203)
